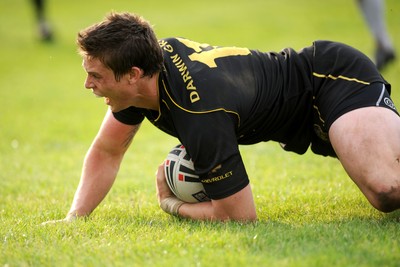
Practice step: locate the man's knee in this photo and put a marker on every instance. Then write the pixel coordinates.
(386, 197)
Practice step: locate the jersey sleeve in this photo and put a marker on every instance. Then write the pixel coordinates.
(225, 179)
(210, 140)
(130, 116)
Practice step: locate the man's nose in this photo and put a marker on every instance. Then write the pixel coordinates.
(88, 83)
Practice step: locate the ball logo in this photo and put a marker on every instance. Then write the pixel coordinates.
(182, 178)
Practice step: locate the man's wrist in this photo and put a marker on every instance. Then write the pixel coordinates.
(171, 205)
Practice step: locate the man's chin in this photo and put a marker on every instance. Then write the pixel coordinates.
(117, 109)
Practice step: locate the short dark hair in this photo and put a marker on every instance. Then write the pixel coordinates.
(122, 41)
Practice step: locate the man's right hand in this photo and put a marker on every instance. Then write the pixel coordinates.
(69, 218)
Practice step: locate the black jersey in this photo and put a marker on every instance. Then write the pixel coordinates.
(215, 98)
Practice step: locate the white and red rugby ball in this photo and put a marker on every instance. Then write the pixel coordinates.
(181, 177)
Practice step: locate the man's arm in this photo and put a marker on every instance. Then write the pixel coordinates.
(101, 165)
(237, 207)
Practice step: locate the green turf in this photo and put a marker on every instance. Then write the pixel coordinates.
(310, 213)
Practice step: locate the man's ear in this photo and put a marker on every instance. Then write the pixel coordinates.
(135, 74)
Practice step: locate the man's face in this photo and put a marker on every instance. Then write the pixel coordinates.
(101, 81)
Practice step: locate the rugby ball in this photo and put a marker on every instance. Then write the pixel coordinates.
(181, 177)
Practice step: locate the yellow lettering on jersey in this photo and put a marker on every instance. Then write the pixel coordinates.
(207, 54)
(194, 96)
(190, 85)
(167, 47)
(183, 71)
(182, 68)
(217, 178)
(186, 77)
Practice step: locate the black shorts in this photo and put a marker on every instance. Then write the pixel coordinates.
(344, 79)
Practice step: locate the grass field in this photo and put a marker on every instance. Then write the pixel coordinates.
(310, 213)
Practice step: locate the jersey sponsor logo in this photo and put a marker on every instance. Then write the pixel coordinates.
(388, 102)
(217, 178)
(216, 168)
(182, 68)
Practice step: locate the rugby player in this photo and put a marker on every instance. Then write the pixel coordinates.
(328, 97)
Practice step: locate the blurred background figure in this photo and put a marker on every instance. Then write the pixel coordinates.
(45, 31)
(374, 14)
